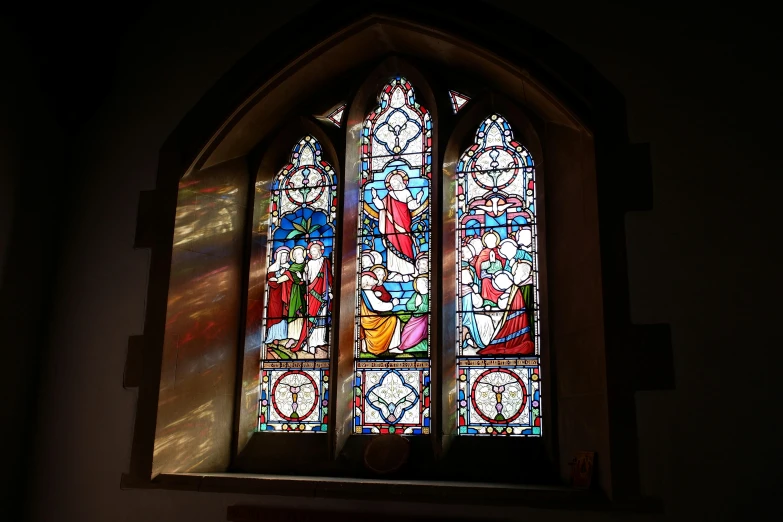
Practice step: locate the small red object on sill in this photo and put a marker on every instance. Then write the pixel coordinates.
(582, 470)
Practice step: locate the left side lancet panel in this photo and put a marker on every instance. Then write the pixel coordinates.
(295, 330)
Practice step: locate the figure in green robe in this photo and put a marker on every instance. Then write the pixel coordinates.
(416, 330)
(297, 306)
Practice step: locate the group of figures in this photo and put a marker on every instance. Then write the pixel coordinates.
(497, 265)
(296, 328)
(394, 303)
(299, 283)
(300, 242)
(498, 392)
(495, 289)
(394, 279)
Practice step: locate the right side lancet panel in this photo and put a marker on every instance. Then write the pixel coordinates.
(498, 342)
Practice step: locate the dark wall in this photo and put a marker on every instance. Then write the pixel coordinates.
(31, 184)
(700, 88)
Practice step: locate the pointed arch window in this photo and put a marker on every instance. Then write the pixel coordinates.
(392, 349)
(296, 331)
(498, 342)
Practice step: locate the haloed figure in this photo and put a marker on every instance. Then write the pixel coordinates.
(422, 264)
(319, 294)
(513, 336)
(487, 263)
(297, 306)
(395, 222)
(279, 285)
(379, 290)
(416, 330)
(378, 333)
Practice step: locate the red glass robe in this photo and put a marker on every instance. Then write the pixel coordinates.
(513, 337)
(279, 295)
(488, 291)
(318, 291)
(396, 221)
(317, 302)
(385, 295)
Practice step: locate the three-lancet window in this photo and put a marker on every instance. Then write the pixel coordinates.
(496, 327)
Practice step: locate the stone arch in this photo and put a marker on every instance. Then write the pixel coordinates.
(535, 71)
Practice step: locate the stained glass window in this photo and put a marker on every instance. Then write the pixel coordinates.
(458, 100)
(336, 116)
(498, 342)
(296, 332)
(392, 358)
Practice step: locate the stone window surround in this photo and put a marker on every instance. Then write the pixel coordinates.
(595, 409)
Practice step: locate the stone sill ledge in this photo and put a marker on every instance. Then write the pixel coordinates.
(430, 492)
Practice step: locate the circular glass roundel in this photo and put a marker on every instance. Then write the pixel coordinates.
(294, 395)
(498, 395)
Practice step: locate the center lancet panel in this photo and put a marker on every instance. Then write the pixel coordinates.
(392, 350)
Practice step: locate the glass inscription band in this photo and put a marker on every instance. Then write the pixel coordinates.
(498, 342)
(296, 331)
(392, 350)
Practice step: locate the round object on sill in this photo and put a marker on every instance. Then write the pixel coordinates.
(386, 453)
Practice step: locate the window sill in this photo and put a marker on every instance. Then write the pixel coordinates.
(433, 492)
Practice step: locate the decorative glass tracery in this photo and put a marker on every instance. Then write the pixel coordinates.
(392, 358)
(296, 332)
(336, 116)
(498, 342)
(458, 100)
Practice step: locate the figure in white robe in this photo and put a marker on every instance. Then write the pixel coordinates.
(395, 222)
(318, 275)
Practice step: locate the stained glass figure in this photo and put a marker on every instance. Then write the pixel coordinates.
(498, 342)
(458, 100)
(296, 335)
(393, 281)
(336, 116)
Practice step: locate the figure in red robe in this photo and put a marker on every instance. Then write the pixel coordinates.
(279, 294)
(487, 263)
(513, 334)
(379, 290)
(394, 222)
(318, 275)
